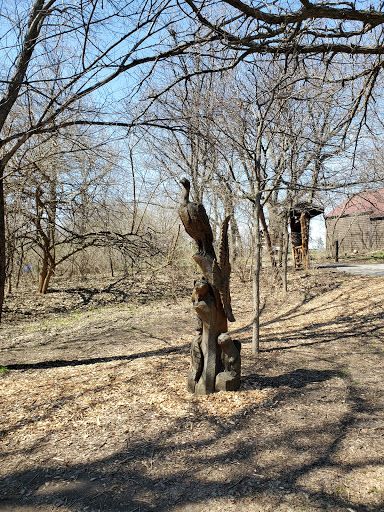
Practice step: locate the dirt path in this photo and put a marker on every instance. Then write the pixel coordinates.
(95, 416)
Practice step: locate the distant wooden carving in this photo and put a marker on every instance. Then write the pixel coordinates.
(215, 358)
(300, 216)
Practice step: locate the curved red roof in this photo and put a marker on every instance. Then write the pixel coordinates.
(365, 203)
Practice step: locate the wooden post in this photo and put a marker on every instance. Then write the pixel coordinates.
(304, 223)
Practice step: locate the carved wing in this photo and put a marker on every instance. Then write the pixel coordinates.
(206, 234)
(221, 271)
(196, 223)
(224, 249)
(186, 220)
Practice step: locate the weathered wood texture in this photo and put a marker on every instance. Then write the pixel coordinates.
(299, 219)
(215, 358)
(357, 224)
(355, 233)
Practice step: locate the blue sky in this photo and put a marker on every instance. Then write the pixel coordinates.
(317, 230)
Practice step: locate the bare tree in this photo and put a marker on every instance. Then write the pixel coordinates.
(306, 28)
(185, 145)
(56, 53)
(280, 132)
(266, 137)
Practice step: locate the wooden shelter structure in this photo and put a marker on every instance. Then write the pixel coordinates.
(299, 219)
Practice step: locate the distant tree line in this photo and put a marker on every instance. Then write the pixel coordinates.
(260, 107)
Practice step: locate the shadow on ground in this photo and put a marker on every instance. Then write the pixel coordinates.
(296, 379)
(302, 450)
(59, 363)
(129, 480)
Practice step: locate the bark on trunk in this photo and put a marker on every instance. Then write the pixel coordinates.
(304, 222)
(111, 264)
(45, 283)
(256, 278)
(2, 241)
(267, 239)
(20, 266)
(46, 272)
(285, 250)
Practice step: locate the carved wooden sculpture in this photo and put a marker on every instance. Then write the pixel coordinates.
(215, 358)
(196, 222)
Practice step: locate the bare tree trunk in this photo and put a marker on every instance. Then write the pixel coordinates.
(2, 240)
(110, 261)
(285, 250)
(45, 283)
(134, 213)
(43, 272)
(20, 266)
(48, 269)
(268, 243)
(10, 274)
(256, 277)
(281, 241)
(304, 222)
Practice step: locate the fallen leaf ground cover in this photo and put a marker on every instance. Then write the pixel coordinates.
(95, 414)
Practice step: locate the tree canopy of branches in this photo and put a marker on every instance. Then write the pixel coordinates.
(55, 54)
(294, 28)
(321, 59)
(66, 64)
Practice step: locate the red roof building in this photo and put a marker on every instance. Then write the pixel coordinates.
(357, 224)
(371, 203)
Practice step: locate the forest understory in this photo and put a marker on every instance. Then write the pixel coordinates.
(95, 415)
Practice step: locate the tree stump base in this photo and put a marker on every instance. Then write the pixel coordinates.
(227, 381)
(215, 358)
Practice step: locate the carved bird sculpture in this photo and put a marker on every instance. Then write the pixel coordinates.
(196, 222)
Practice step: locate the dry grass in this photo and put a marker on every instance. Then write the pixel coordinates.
(95, 415)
